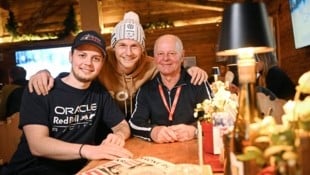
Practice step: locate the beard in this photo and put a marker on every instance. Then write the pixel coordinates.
(81, 78)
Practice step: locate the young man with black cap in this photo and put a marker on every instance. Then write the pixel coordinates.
(127, 68)
(59, 128)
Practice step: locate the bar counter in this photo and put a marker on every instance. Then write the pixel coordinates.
(178, 152)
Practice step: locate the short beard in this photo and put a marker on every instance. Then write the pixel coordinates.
(81, 79)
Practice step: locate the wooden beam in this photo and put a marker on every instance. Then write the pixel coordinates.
(89, 15)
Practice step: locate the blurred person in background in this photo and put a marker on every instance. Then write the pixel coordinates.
(11, 94)
(272, 77)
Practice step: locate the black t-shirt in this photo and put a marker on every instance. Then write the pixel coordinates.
(72, 115)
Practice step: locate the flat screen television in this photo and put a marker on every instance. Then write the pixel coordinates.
(54, 59)
(300, 15)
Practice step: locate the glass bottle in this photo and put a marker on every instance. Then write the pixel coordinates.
(248, 114)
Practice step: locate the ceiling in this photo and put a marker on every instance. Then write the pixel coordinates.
(47, 16)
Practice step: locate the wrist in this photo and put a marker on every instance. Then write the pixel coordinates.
(80, 151)
(120, 135)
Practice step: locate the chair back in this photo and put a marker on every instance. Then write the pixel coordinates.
(271, 106)
(10, 137)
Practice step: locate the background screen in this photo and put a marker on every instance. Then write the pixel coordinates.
(56, 60)
(300, 13)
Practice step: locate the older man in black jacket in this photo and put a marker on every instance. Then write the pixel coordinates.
(165, 105)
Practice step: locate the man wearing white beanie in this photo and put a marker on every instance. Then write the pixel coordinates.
(126, 68)
(128, 28)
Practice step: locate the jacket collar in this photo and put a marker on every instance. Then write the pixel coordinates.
(181, 82)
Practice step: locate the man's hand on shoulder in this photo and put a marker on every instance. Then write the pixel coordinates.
(41, 82)
(198, 75)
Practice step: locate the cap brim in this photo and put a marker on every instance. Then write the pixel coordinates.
(93, 44)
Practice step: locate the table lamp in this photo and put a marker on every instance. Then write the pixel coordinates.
(245, 31)
(245, 26)
(216, 72)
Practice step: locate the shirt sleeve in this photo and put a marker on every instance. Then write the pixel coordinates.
(139, 122)
(34, 109)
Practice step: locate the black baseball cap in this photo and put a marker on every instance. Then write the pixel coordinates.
(90, 37)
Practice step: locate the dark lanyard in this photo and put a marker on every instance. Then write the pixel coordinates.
(175, 101)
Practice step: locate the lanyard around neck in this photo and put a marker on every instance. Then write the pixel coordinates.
(175, 101)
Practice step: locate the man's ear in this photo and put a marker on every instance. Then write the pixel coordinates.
(182, 56)
(70, 56)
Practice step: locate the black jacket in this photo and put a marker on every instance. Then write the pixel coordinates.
(150, 110)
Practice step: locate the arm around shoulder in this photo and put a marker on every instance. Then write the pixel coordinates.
(41, 82)
(198, 75)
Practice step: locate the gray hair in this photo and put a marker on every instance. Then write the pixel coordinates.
(178, 42)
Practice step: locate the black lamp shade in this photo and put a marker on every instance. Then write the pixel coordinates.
(216, 71)
(245, 25)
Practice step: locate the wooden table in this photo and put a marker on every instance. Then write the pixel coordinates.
(178, 152)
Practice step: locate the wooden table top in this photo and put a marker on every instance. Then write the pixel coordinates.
(178, 152)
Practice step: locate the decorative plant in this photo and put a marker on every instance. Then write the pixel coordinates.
(221, 109)
(70, 23)
(273, 147)
(297, 111)
(11, 25)
(276, 145)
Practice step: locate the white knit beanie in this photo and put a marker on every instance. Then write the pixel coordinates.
(129, 28)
